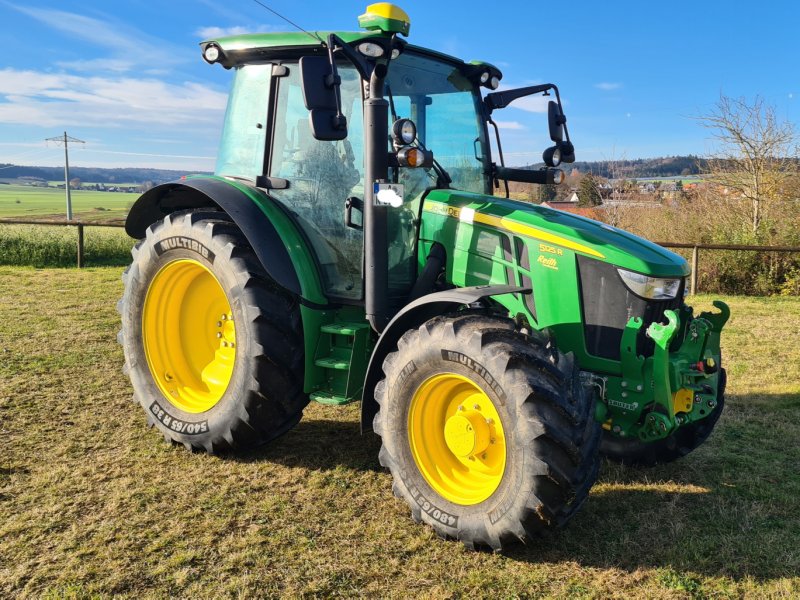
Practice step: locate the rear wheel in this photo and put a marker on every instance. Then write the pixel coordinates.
(213, 349)
(488, 433)
(680, 443)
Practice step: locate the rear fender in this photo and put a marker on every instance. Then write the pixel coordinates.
(413, 315)
(268, 229)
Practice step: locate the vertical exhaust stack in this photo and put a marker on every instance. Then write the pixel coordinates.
(376, 149)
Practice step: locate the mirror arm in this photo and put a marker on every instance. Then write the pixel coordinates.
(540, 176)
(497, 100)
(337, 44)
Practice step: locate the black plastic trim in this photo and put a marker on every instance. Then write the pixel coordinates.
(261, 234)
(413, 315)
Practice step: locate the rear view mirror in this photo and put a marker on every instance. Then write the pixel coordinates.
(321, 97)
(556, 120)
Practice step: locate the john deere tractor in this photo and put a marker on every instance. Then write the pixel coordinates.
(349, 247)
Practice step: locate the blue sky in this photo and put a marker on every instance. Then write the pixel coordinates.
(127, 76)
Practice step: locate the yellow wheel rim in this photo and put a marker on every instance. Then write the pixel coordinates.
(457, 438)
(189, 335)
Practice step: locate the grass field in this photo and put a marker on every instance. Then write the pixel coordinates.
(93, 503)
(26, 202)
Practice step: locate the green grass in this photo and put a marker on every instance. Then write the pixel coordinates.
(51, 246)
(27, 202)
(93, 503)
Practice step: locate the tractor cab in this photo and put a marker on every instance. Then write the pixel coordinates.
(296, 123)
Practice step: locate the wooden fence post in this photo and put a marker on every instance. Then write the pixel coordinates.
(80, 245)
(693, 285)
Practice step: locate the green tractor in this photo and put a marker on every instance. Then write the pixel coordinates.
(349, 248)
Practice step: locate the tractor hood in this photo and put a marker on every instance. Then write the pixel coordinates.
(561, 229)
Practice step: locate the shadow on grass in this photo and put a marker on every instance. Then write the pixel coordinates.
(711, 513)
(321, 445)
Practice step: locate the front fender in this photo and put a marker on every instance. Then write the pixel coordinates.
(413, 315)
(268, 229)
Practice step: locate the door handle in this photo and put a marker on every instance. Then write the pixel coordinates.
(353, 203)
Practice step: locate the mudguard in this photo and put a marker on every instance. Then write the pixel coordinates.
(200, 192)
(413, 315)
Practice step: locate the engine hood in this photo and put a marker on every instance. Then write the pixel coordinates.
(558, 228)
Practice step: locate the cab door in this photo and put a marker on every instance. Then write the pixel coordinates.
(321, 176)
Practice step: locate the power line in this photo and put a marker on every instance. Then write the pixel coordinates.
(292, 23)
(66, 139)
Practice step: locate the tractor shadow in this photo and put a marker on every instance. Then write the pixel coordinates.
(729, 509)
(321, 445)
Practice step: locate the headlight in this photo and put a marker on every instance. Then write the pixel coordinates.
(211, 53)
(653, 288)
(370, 49)
(404, 131)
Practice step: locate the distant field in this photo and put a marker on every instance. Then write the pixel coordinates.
(22, 201)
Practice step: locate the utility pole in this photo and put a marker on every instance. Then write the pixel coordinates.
(65, 140)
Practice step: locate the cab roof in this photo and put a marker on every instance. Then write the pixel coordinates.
(253, 47)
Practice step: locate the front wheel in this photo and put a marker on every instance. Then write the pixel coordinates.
(213, 349)
(488, 433)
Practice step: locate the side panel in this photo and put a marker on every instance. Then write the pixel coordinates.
(481, 253)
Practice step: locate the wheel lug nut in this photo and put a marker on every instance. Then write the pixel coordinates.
(489, 421)
(483, 456)
(219, 323)
(224, 317)
(492, 441)
(460, 408)
(224, 344)
(476, 407)
(219, 335)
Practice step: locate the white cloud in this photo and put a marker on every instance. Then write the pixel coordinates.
(516, 125)
(129, 48)
(534, 104)
(607, 86)
(209, 33)
(46, 99)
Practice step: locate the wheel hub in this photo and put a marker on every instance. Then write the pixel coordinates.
(467, 434)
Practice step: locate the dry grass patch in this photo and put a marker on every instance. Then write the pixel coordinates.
(92, 502)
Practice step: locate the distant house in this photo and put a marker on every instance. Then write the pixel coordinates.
(572, 207)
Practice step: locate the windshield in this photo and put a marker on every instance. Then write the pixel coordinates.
(444, 105)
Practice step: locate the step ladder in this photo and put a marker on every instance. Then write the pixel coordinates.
(342, 353)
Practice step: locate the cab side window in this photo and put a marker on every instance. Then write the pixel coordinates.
(322, 175)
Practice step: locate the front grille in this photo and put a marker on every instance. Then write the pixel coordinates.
(608, 305)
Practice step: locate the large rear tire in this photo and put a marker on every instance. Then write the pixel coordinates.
(677, 445)
(213, 348)
(488, 433)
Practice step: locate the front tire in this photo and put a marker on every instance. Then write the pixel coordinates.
(488, 433)
(213, 348)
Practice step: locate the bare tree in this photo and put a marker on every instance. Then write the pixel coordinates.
(756, 153)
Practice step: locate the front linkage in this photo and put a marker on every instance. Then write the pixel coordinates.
(657, 395)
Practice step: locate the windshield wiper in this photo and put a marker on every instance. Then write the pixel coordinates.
(443, 178)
